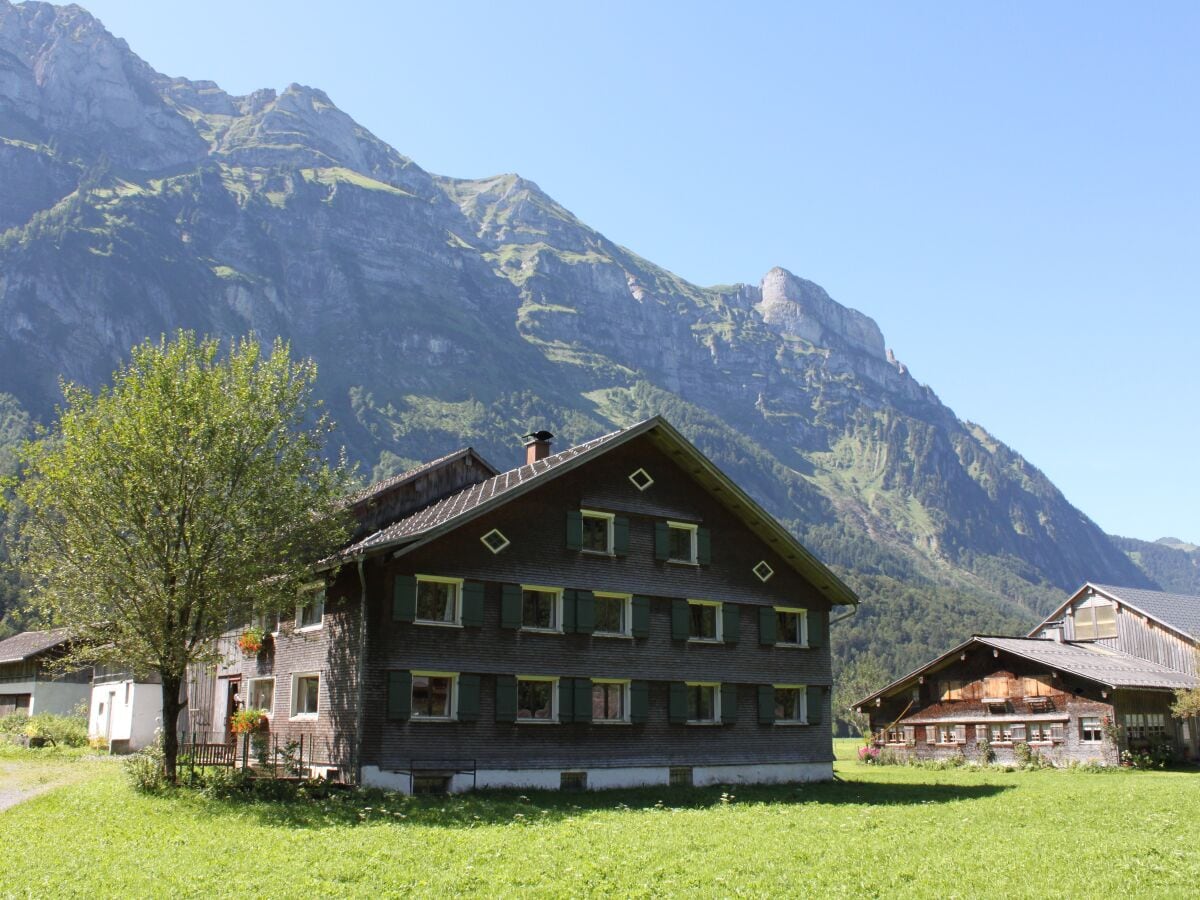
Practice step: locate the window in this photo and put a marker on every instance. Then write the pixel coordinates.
(430, 784)
(438, 600)
(1135, 726)
(613, 613)
(572, 781)
(433, 695)
(790, 703)
(262, 694)
(610, 700)
(1000, 732)
(704, 620)
(995, 687)
(306, 691)
(541, 608)
(1089, 730)
(1095, 618)
(681, 542)
(948, 733)
(641, 479)
(1145, 726)
(495, 540)
(311, 610)
(537, 699)
(763, 571)
(679, 776)
(791, 626)
(951, 690)
(1035, 687)
(703, 703)
(268, 623)
(597, 532)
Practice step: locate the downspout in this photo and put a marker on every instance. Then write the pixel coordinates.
(356, 762)
(843, 618)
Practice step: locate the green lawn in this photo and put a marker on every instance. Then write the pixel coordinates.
(880, 832)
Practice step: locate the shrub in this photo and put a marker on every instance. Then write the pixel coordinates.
(245, 721)
(45, 729)
(987, 755)
(145, 770)
(868, 754)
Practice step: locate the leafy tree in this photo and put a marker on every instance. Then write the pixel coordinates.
(856, 679)
(189, 494)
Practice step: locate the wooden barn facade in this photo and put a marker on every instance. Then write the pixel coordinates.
(616, 614)
(1095, 679)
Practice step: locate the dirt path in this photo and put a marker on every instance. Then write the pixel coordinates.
(24, 778)
(13, 796)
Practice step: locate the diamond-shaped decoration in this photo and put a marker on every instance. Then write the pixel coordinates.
(495, 540)
(763, 571)
(641, 479)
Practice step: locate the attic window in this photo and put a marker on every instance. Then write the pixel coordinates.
(495, 540)
(763, 571)
(641, 479)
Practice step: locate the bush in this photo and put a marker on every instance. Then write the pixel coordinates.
(145, 770)
(46, 729)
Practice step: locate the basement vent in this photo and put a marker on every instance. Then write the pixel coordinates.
(430, 784)
(681, 776)
(641, 479)
(495, 540)
(763, 571)
(573, 781)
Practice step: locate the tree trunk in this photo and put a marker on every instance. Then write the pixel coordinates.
(171, 707)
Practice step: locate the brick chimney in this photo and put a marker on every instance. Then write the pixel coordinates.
(537, 446)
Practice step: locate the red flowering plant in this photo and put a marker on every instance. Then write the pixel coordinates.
(251, 640)
(246, 721)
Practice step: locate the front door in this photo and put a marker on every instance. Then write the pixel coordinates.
(108, 714)
(233, 702)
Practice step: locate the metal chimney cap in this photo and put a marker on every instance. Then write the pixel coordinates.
(540, 436)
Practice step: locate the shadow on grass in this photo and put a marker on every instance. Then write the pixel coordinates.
(484, 808)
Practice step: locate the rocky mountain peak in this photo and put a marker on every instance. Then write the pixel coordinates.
(799, 308)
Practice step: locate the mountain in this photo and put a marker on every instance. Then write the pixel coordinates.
(1169, 562)
(444, 311)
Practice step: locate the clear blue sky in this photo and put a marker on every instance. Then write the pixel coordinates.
(1011, 190)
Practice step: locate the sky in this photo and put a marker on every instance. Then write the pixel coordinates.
(1012, 191)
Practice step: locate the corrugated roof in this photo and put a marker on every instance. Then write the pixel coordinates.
(1105, 665)
(22, 646)
(1180, 611)
(465, 501)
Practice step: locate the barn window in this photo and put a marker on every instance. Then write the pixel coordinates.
(1089, 730)
(951, 690)
(1095, 618)
(949, 733)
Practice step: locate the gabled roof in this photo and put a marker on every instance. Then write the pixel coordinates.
(1178, 612)
(395, 481)
(28, 644)
(460, 508)
(1103, 665)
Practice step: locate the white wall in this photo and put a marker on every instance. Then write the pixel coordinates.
(134, 721)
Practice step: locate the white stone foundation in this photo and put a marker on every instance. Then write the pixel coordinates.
(604, 778)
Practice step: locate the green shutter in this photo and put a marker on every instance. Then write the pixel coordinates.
(678, 708)
(639, 702)
(506, 698)
(680, 627)
(569, 605)
(729, 703)
(468, 698)
(766, 704)
(620, 535)
(703, 546)
(641, 617)
(510, 606)
(404, 598)
(399, 695)
(574, 529)
(566, 700)
(585, 612)
(731, 623)
(583, 699)
(816, 704)
(767, 623)
(662, 540)
(472, 604)
(818, 624)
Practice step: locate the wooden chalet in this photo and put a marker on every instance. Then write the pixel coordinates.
(1094, 679)
(28, 682)
(619, 613)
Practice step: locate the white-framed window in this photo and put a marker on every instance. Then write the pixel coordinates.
(610, 700)
(614, 614)
(439, 600)
(791, 626)
(310, 611)
(682, 542)
(704, 620)
(537, 699)
(541, 608)
(267, 623)
(640, 479)
(435, 696)
(950, 733)
(763, 571)
(306, 695)
(791, 704)
(495, 540)
(598, 532)
(1095, 617)
(262, 694)
(1000, 732)
(703, 702)
(1041, 732)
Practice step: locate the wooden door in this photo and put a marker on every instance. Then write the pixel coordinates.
(233, 702)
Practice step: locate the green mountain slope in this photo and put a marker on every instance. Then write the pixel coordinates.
(1171, 563)
(445, 311)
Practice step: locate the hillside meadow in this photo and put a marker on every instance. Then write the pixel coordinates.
(877, 832)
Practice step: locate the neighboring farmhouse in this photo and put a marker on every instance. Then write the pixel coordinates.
(28, 681)
(1096, 678)
(619, 613)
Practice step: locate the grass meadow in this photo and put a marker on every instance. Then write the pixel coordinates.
(886, 831)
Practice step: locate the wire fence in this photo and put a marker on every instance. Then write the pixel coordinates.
(263, 755)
